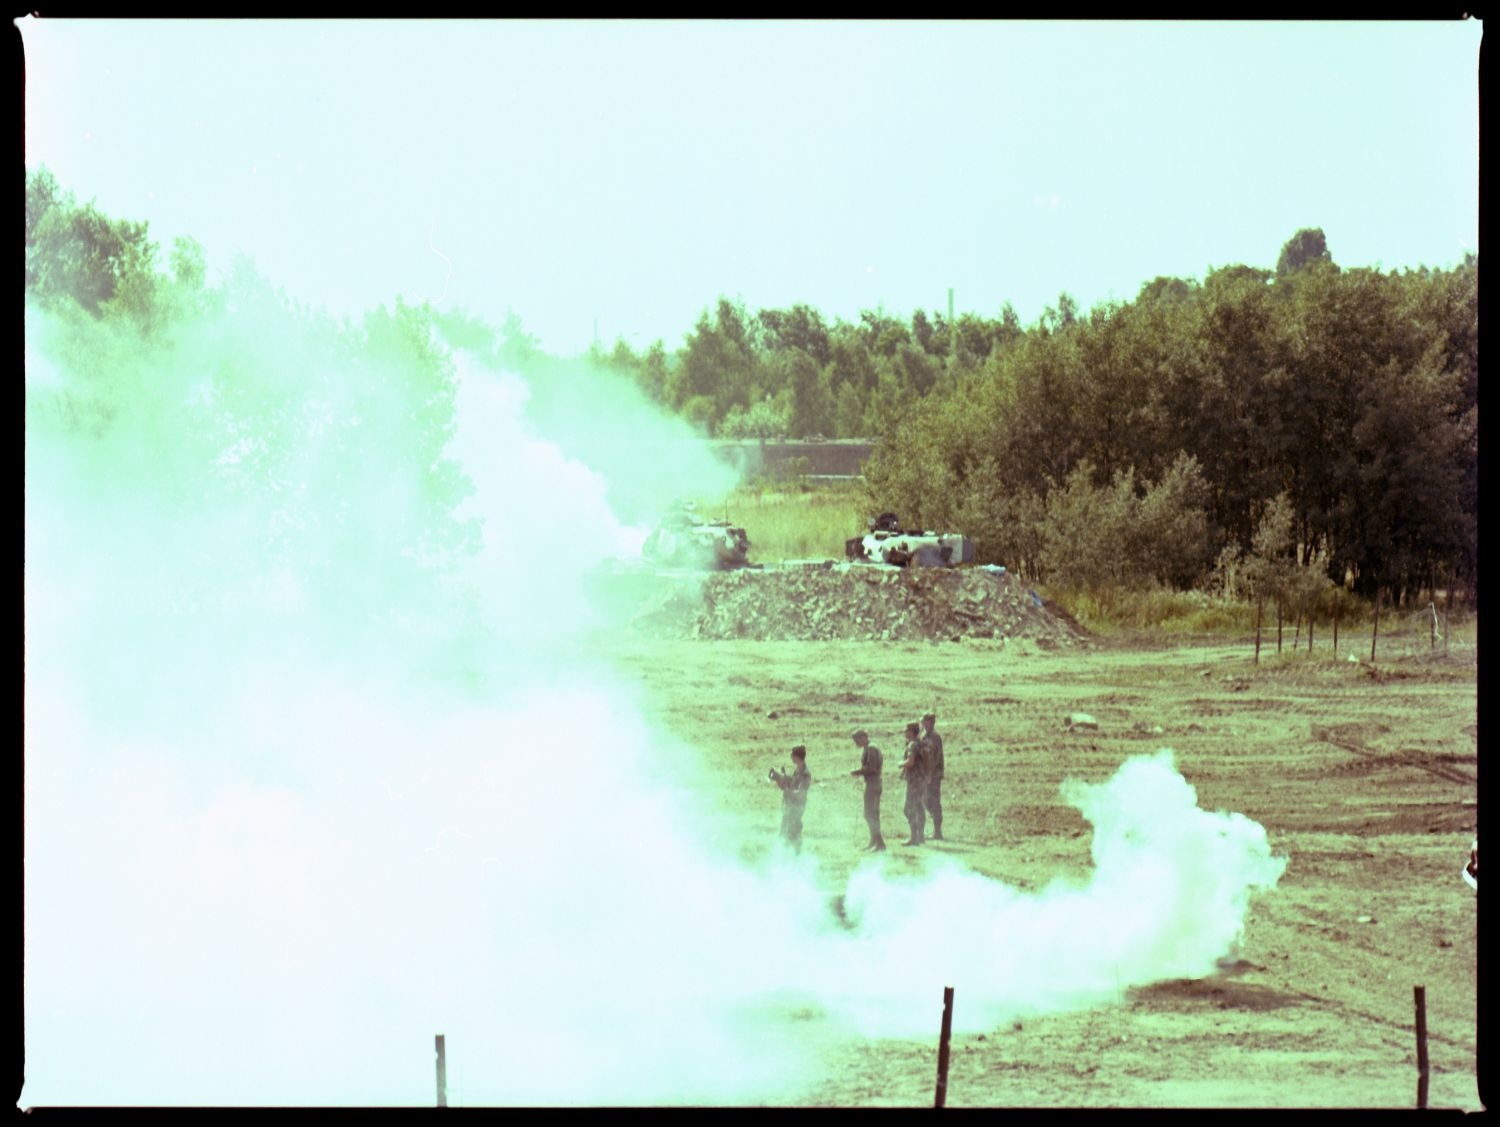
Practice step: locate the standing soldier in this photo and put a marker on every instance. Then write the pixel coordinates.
(934, 745)
(914, 771)
(793, 797)
(870, 763)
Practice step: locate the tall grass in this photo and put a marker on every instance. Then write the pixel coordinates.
(785, 522)
(1167, 612)
(1404, 632)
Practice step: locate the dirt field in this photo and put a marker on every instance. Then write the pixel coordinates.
(1365, 779)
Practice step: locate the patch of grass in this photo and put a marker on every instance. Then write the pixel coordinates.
(787, 522)
(1403, 633)
(1166, 612)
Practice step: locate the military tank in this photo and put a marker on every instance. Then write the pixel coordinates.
(683, 539)
(887, 543)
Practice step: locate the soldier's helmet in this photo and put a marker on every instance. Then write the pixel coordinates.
(799, 752)
(930, 718)
(860, 734)
(913, 728)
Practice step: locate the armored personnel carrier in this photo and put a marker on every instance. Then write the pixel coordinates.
(684, 539)
(887, 543)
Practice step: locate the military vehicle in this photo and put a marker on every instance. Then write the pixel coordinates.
(684, 539)
(887, 543)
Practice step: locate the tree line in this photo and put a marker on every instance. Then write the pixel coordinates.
(1145, 442)
(1250, 430)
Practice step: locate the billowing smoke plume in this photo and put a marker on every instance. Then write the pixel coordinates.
(1167, 898)
(312, 776)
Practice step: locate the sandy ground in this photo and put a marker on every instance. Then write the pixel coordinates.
(1364, 777)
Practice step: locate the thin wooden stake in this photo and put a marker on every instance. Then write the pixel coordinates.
(1375, 629)
(442, 1073)
(1421, 993)
(942, 1077)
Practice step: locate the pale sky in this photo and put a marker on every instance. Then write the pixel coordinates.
(631, 172)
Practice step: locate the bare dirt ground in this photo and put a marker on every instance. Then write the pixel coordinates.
(1364, 777)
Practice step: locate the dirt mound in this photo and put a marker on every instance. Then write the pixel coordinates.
(852, 601)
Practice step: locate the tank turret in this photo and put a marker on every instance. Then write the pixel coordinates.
(887, 543)
(684, 539)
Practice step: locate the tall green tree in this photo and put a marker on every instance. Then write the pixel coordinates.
(1308, 247)
(812, 401)
(79, 253)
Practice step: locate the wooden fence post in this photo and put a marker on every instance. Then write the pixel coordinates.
(1421, 995)
(442, 1073)
(942, 1077)
(1375, 630)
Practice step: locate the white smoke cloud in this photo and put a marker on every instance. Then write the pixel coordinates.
(264, 871)
(1167, 898)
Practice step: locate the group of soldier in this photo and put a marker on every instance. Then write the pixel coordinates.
(921, 768)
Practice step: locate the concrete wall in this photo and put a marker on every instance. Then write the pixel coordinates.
(833, 458)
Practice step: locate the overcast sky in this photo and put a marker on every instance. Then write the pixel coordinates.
(628, 173)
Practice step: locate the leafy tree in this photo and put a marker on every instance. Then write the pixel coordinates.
(79, 253)
(1268, 569)
(1306, 248)
(915, 368)
(655, 374)
(812, 401)
(717, 364)
(1061, 317)
(1045, 381)
(799, 327)
(851, 360)
(1009, 330)
(1171, 536)
(1223, 400)
(1086, 532)
(1166, 290)
(1006, 526)
(883, 333)
(189, 266)
(925, 334)
(1125, 535)
(848, 410)
(975, 340)
(764, 420)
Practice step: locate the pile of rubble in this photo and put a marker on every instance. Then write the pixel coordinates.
(832, 600)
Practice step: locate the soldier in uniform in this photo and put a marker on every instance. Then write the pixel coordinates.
(934, 754)
(914, 771)
(793, 796)
(870, 764)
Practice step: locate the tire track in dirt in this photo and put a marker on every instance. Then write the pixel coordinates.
(1406, 757)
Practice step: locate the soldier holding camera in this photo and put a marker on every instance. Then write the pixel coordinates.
(793, 786)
